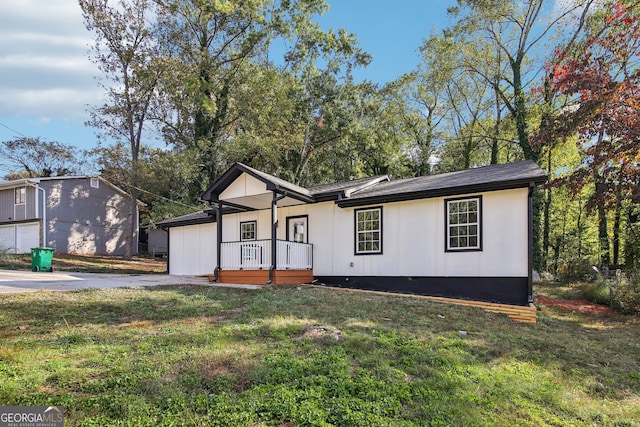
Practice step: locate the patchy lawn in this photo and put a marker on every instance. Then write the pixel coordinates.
(90, 264)
(283, 357)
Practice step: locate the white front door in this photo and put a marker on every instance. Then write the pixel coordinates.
(297, 229)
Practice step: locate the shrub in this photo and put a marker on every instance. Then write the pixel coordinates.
(598, 291)
(4, 253)
(625, 292)
(576, 269)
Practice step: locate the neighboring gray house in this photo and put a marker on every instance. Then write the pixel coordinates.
(72, 214)
(157, 242)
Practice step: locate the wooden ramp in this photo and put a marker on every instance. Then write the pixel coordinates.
(526, 314)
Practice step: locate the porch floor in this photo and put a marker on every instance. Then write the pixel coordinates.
(261, 277)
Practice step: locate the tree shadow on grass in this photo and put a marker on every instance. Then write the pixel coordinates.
(231, 354)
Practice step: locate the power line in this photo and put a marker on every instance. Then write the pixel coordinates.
(152, 194)
(13, 130)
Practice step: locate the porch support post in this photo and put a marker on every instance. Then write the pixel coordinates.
(274, 233)
(218, 240)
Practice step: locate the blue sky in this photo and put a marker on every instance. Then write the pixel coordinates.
(47, 82)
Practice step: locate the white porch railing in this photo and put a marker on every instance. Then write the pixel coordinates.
(256, 255)
(294, 255)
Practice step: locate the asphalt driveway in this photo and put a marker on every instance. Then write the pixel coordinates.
(28, 281)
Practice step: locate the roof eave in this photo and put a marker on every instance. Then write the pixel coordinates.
(212, 194)
(441, 192)
(290, 193)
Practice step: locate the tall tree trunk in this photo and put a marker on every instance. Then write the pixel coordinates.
(495, 148)
(603, 234)
(579, 227)
(616, 223)
(520, 111)
(546, 220)
(132, 219)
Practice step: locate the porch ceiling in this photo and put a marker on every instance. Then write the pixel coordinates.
(261, 201)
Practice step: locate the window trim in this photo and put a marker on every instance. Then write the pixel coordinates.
(255, 230)
(356, 233)
(23, 196)
(447, 228)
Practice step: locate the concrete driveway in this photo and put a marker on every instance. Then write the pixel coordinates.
(28, 281)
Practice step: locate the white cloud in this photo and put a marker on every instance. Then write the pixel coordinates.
(44, 66)
(61, 102)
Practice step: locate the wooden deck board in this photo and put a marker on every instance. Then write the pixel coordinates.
(261, 277)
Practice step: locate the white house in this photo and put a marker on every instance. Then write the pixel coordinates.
(464, 234)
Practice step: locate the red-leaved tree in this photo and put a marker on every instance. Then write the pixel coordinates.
(601, 80)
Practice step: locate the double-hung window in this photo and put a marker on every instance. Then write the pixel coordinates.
(21, 196)
(368, 231)
(248, 230)
(464, 224)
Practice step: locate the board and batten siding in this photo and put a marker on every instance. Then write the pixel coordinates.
(9, 211)
(414, 239)
(193, 249)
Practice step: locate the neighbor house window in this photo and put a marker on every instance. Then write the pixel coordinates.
(21, 195)
(368, 231)
(463, 224)
(248, 230)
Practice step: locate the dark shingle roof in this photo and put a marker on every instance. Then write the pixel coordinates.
(486, 178)
(379, 189)
(328, 191)
(200, 217)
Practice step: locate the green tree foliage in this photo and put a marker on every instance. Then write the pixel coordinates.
(207, 45)
(126, 54)
(218, 54)
(260, 82)
(515, 33)
(163, 176)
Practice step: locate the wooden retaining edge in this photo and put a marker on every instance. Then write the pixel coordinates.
(526, 314)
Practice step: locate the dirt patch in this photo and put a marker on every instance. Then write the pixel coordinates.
(320, 332)
(579, 305)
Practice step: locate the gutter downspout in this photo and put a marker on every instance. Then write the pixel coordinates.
(44, 213)
(274, 231)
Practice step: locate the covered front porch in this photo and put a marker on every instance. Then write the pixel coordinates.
(250, 262)
(250, 249)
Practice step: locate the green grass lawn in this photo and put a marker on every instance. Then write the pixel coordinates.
(89, 264)
(287, 357)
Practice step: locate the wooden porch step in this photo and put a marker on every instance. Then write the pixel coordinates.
(261, 277)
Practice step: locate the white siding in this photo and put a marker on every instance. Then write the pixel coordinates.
(231, 224)
(192, 249)
(413, 239)
(244, 185)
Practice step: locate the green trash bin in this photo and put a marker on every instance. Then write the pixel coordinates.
(41, 259)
